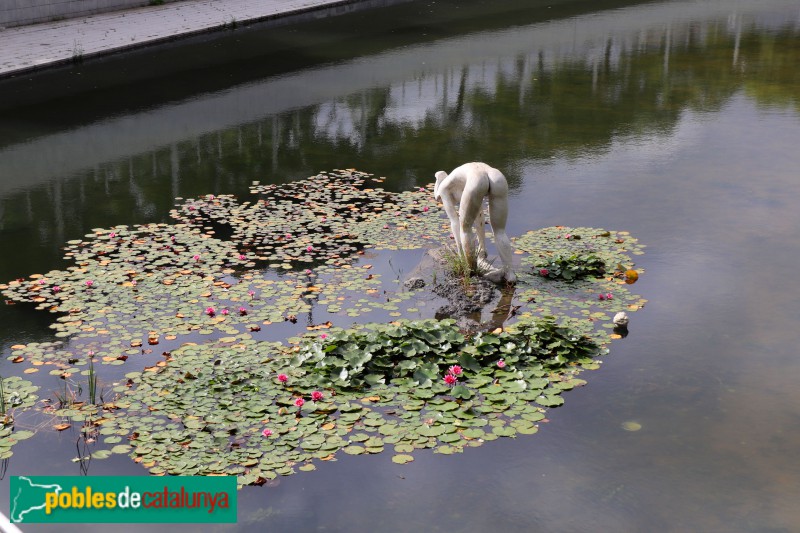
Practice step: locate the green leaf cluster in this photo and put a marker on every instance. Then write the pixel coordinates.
(381, 353)
(419, 352)
(15, 393)
(569, 267)
(557, 344)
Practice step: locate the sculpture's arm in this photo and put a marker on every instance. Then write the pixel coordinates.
(440, 177)
(449, 200)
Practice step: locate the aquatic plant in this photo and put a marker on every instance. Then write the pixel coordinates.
(205, 411)
(417, 352)
(204, 406)
(92, 380)
(570, 267)
(461, 267)
(15, 394)
(3, 407)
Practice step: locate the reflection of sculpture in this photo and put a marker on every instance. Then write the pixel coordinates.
(467, 186)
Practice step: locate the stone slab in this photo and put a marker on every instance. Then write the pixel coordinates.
(38, 46)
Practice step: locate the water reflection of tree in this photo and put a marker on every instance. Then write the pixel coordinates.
(769, 69)
(540, 106)
(570, 108)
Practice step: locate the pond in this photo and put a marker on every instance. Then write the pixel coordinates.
(676, 121)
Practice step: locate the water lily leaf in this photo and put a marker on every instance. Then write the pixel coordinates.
(354, 450)
(504, 431)
(469, 362)
(431, 431)
(516, 386)
(407, 364)
(101, 454)
(631, 425)
(446, 450)
(550, 401)
(538, 383)
(473, 433)
(527, 430)
(374, 379)
(423, 393)
(450, 437)
(533, 417)
(462, 392)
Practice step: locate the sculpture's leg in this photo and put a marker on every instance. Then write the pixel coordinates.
(498, 215)
(471, 203)
(480, 229)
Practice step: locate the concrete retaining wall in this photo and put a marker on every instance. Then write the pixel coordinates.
(22, 12)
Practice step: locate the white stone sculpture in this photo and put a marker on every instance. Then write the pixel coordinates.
(462, 193)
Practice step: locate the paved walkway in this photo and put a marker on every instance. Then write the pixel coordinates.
(42, 45)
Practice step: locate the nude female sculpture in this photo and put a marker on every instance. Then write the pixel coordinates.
(466, 187)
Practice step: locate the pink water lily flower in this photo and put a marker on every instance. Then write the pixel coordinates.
(242, 257)
(309, 248)
(317, 395)
(196, 257)
(323, 336)
(283, 378)
(112, 235)
(267, 432)
(299, 402)
(89, 283)
(450, 379)
(224, 311)
(425, 208)
(56, 288)
(543, 272)
(242, 311)
(455, 370)
(501, 363)
(601, 297)
(42, 282)
(210, 311)
(609, 296)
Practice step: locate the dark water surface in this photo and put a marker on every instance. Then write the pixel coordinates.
(678, 121)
